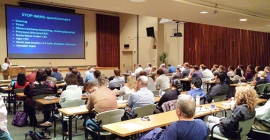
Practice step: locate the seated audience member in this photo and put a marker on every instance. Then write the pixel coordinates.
(249, 73)
(178, 72)
(79, 78)
(245, 97)
(171, 68)
(79, 73)
(103, 99)
(117, 81)
(262, 121)
(49, 78)
(89, 76)
(230, 72)
(57, 75)
(176, 89)
(187, 128)
(129, 87)
(69, 70)
(141, 97)
(256, 77)
(153, 73)
(221, 88)
(151, 84)
(195, 72)
(237, 76)
(88, 88)
(96, 74)
(186, 71)
(72, 92)
(40, 87)
(207, 74)
(196, 89)
(214, 68)
(241, 67)
(21, 83)
(262, 80)
(267, 70)
(148, 69)
(4, 134)
(162, 81)
(32, 76)
(87, 70)
(163, 67)
(138, 70)
(222, 69)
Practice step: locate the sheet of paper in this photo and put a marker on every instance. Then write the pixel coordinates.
(130, 126)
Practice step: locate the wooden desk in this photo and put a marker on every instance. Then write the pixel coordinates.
(123, 105)
(8, 90)
(21, 95)
(60, 85)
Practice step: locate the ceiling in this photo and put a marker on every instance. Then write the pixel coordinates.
(257, 12)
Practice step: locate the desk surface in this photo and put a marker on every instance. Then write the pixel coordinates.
(235, 85)
(227, 107)
(71, 111)
(61, 84)
(7, 89)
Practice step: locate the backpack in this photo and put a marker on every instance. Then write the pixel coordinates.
(20, 119)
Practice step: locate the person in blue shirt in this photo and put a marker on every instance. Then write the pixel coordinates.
(57, 75)
(187, 128)
(171, 69)
(89, 77)
(196, 89)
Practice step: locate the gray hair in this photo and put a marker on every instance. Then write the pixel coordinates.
(144, 80)
(187, 105)
(102, 80)
(92, 70)
(267, 68)
(34, 70)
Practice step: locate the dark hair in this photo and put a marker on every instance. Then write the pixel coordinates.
(88, 85)
(48, 71)
(251, 68)
(97, 73)
(178, 69)
(139, 65)
(177, 84)
(196, 67)
(186, 64)
(238, 72)
(72, 79)
(142, 73)
(259, 68)
(160, 72)
(221, 76)
(222, 67)
(149, 64)
(241, 66)
(41, 75)
(21, 79)
(70, 68)
(169, 65)
(55, 69)
(6, 59)
(196, 81)
(116, 72)
(231, 67)
(204, 67)
(216, 65)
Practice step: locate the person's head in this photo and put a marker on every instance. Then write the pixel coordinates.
(92, 70)
(196, 82)
(186, 65)
(219, 77)
(139, 65)
(241, 66)
(41, 75)
(246, 95)
(72, 79)
(55, 69)
(176, 83)
(6, 60)
(34, 70)
(142, 82)
(97, 73)
(258, 68)
(142, 73)
(21, 79)
(131, 82)
(102, 80)
(160, 72)
(262, 74)
(250, 68)
(48, 71)
(215, 66)
(75, 71)
(149, 65)
(70, 68)
(89, 67)
(178, 70)
(221, 68)
(89, 87)
(230, 68)
(169, 65)
(116, 72)
(154, 68)
(267, 69)
(162, 65)
(237, 71)
(186, 107)
(203, 68)
(195, 67)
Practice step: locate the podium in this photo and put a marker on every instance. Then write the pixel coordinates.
(13, 71)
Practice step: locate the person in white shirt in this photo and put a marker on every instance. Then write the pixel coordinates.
(148, 69)
(207, 74)
(237, 76)
(138, 70)
(162, 81)
(241, 67)
(4, 134)
(262, 117)
(151, 84)
(6, 64)
(230, 72)
(129, 87)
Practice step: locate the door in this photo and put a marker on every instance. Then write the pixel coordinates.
(127, 61)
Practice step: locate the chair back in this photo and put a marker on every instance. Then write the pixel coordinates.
(111, 116)
(245, 126)
(218, 98)
(260, 89)
(144, 110)
(169, 105)
(76, 102)
(126, 96)
(18, 90)
(156, 92)
(267, 88)
(167, 90)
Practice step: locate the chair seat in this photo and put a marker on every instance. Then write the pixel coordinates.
(101, 133)
(263, 132)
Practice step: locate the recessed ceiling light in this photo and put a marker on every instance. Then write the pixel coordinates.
(243, 19)
(204, 12)
(137, 0)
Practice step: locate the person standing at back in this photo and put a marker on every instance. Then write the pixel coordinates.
(6, 64)
(57, 75)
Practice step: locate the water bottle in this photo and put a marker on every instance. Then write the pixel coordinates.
(239, 81)
(160, 93)
(213, 105)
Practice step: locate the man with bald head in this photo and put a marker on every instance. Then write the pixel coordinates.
(142, 97)
(187, 128)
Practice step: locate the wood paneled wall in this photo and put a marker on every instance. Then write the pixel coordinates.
(108, 41)
(206, 44)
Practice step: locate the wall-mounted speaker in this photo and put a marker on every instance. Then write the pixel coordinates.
(150, 32)
(126, 46)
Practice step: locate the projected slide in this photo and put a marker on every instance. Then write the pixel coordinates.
(33, 33)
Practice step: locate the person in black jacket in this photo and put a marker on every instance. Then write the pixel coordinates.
(245, 103)
(262, 80)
